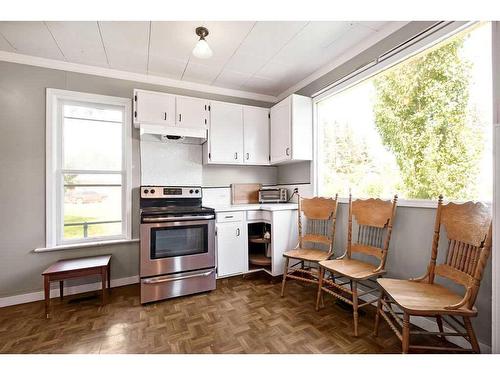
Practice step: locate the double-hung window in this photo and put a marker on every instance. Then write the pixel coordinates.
(88, 168)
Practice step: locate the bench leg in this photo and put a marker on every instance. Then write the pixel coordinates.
(103, 280)
(109, 277)
(46, 288)
(61, 289)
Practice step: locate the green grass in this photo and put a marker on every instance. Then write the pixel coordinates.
(96, 230)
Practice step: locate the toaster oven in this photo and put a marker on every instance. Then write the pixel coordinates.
(273, 195)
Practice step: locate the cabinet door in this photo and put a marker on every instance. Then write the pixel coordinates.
(191, 112)
(230, 249)
(226, 133)
(281, 132)
(256, 135)
(154, 108)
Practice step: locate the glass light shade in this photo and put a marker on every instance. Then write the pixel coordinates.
(202, 50)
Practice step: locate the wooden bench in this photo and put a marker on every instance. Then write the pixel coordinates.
(75, 268)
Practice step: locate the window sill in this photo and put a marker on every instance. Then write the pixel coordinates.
(82, 245)
(407, 203)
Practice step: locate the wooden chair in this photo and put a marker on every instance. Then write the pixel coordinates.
(468, 230)
(315, 239)
(374, 218)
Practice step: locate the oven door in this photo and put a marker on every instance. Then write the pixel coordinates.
(177, 246)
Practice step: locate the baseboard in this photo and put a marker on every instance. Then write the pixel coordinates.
(39, 296)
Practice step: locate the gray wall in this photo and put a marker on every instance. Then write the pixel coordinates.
(22, 172)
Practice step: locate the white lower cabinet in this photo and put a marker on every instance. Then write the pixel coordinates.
(232, 239)
(231, 248)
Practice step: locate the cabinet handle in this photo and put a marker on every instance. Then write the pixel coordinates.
(228, 217)
(235, 156)
(287, 151)
(165, 117)
(180, 117)
(238, 232)
(248, 156)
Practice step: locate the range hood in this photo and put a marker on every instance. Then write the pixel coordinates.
(174, 133)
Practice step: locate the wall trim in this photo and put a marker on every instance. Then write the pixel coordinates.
(68, 291)
(19, 58)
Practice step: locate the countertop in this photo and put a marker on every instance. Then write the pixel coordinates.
(257, 206)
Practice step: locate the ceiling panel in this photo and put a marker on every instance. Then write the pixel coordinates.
(355, 36)
(88, 50)
(267, 38)
(245, 63)
(126, 44)
(231, 79)
(31, 38)
(312, 42)
(4, 44)
(201, 73)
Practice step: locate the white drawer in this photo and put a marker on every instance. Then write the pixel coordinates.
(259, 215)
(226, 217)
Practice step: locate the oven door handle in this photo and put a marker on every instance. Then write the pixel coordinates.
(157, 280)
(176, 218)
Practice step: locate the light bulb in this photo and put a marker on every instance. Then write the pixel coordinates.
(202, 50)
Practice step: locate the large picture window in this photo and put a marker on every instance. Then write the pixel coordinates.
(419, 128)
(88, 169)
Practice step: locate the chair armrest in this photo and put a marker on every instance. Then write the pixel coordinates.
(342, 256)
(423, 278)
(462, 302)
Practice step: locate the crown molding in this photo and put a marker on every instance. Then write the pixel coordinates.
(129, 76)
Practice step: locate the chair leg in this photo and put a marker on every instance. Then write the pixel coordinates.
(319, 296)
(285, 271)
(377, 315)
(472, 335)
(355, 306)
(439, 322)
(406, 332)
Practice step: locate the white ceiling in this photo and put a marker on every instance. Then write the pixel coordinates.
(262, 57)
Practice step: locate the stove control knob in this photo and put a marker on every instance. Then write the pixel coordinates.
(146, 191)
(152, 191)
(196, 191)
(191, 191)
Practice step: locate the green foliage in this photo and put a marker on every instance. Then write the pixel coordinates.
(422, 115)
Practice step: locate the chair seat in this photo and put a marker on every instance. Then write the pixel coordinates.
(351, 268)
(312, 255)
(420, 298)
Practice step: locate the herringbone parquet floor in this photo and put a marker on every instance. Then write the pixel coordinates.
(243, 315)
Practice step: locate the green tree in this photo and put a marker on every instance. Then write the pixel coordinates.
(423, 117)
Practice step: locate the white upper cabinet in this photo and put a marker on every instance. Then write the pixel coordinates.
(154, 108)
(291, 130)
(256, 135)
(191, 112)
(225, 137)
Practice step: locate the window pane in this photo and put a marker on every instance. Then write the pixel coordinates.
(93, 113)
(419, 129)
(92, 211)
(93, 145)
(71, 179)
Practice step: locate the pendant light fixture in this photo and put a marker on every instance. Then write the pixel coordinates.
(202, 50)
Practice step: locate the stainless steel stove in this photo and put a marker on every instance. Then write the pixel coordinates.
(177, 242)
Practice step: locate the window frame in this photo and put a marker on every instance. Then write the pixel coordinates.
(54, 170)
(371, 69)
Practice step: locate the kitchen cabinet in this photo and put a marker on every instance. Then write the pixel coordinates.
(291, 130)
(256, 135)
(231, 248)
(225, 135)
(191, 112)
(154, 108)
